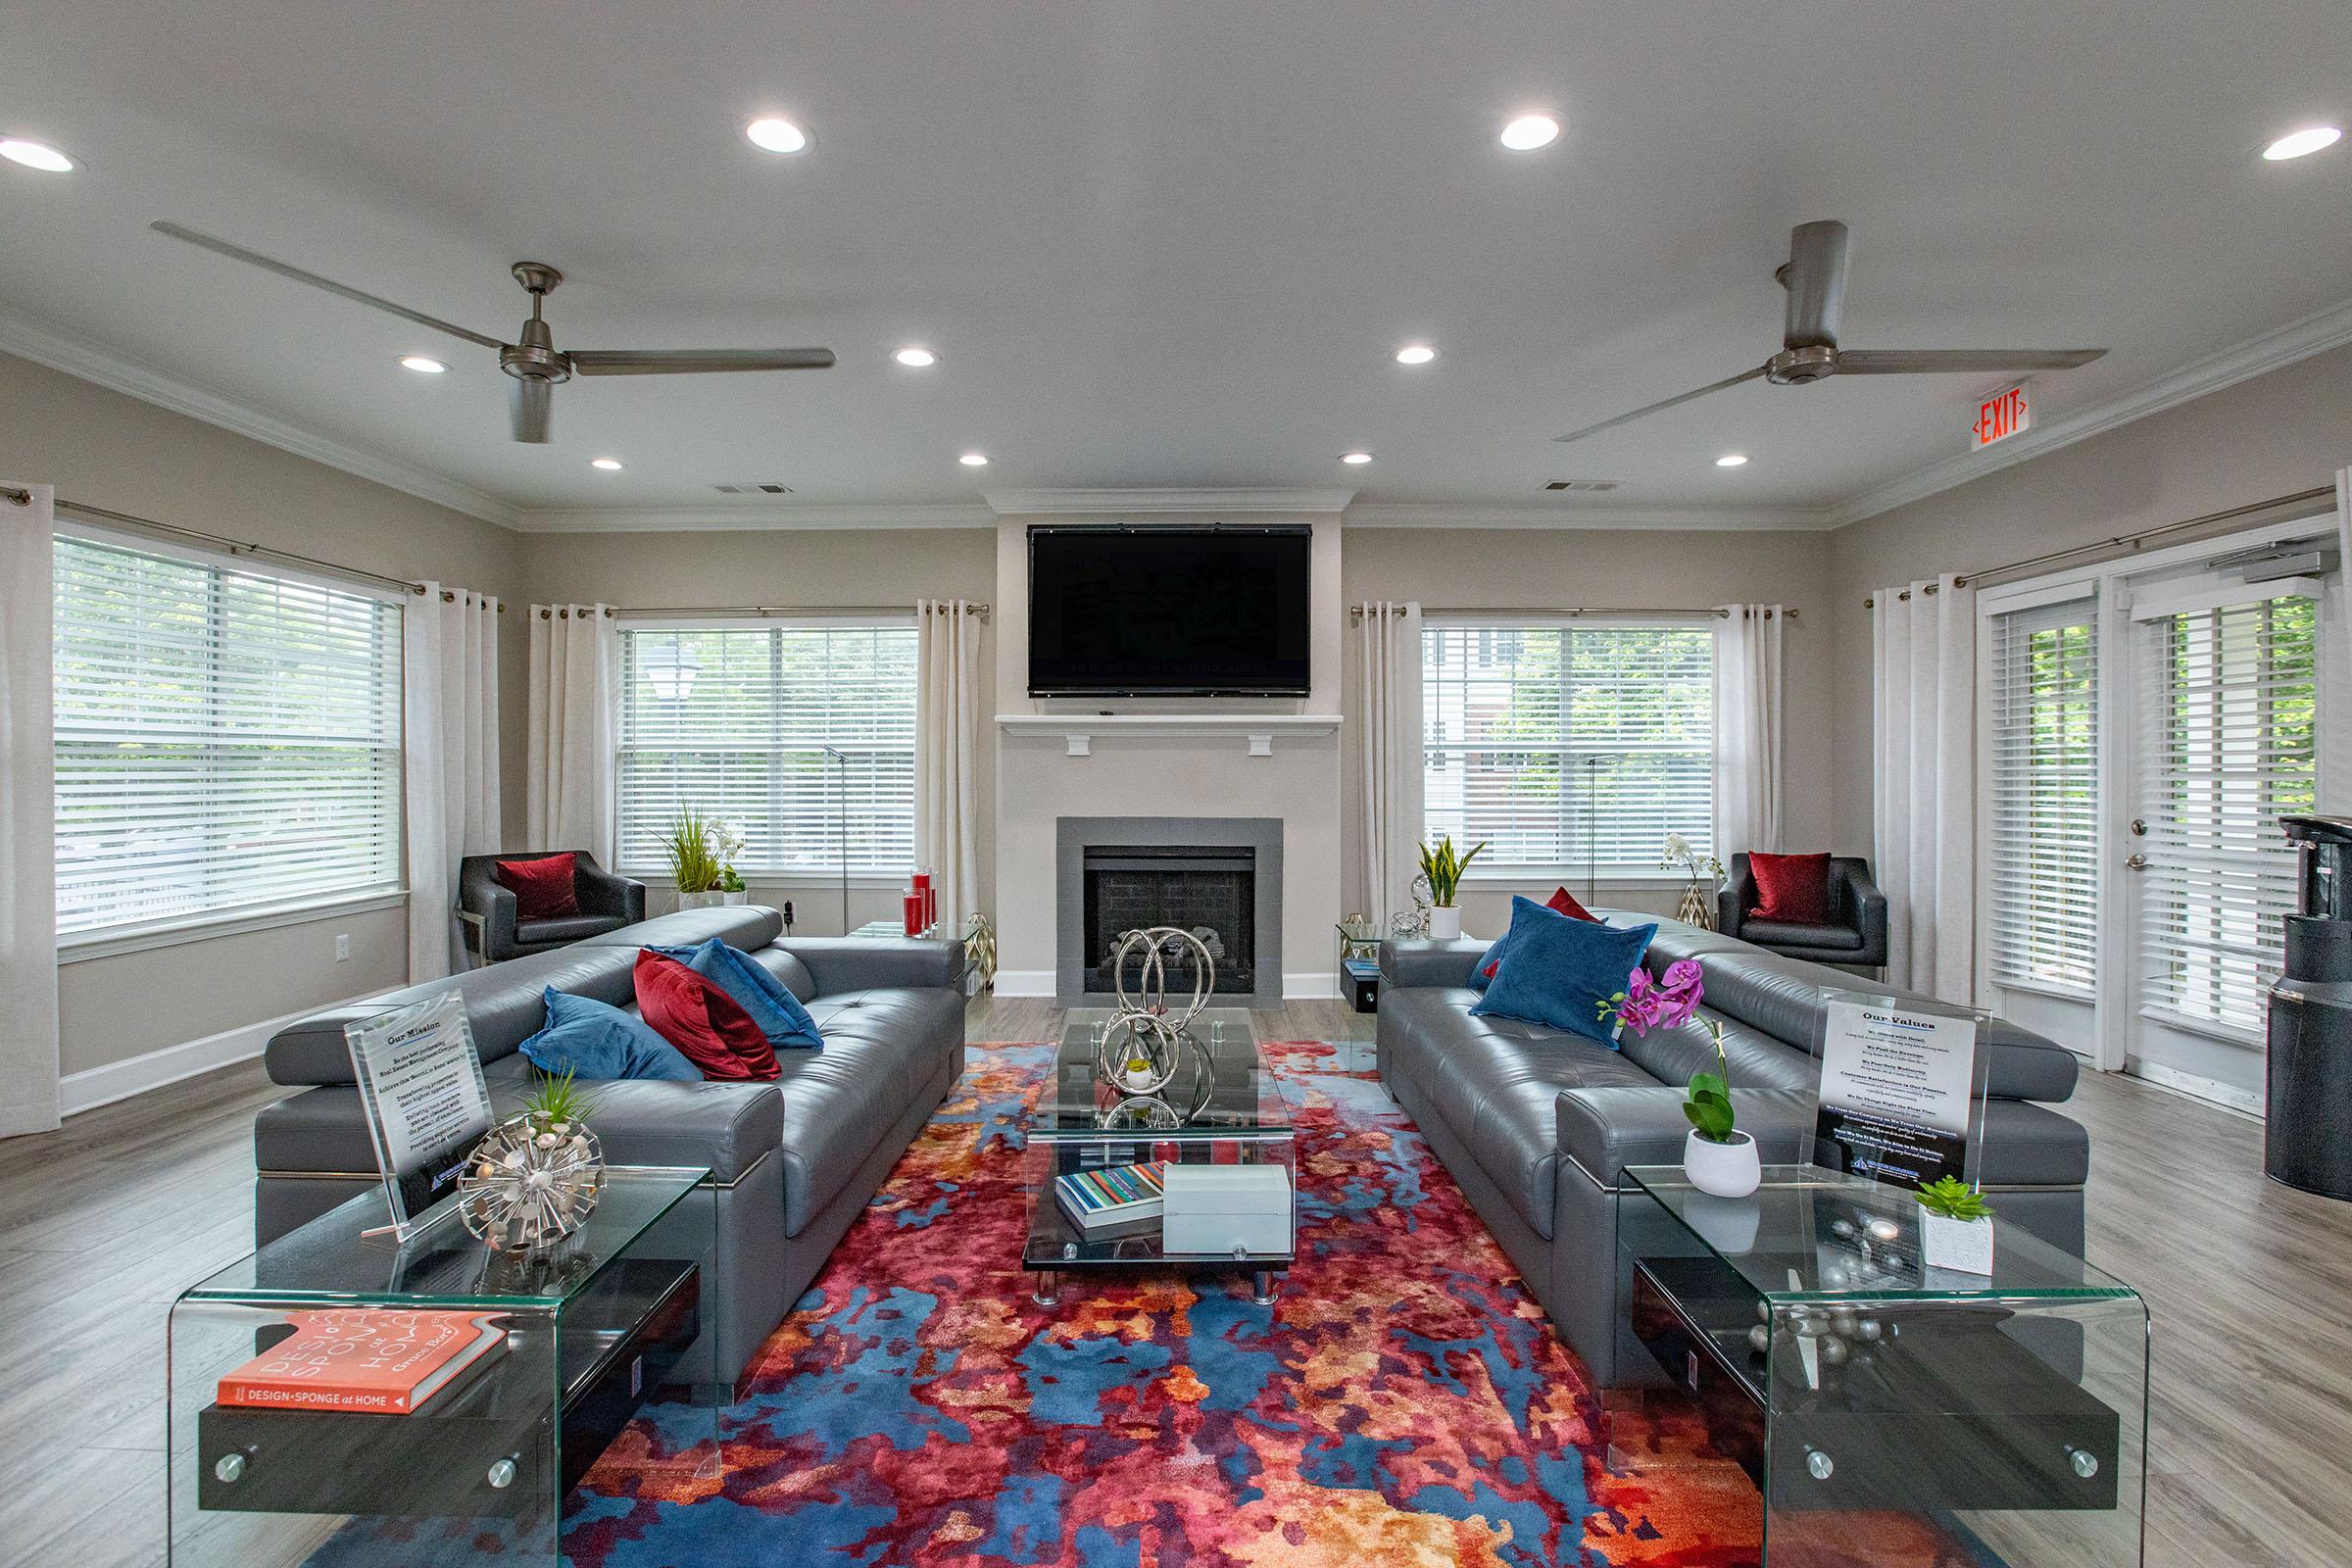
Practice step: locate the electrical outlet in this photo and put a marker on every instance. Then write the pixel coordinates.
(342, 946)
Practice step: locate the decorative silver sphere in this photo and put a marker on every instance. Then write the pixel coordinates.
(530, 1182)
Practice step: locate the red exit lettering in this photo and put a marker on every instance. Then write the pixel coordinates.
(2000, 416)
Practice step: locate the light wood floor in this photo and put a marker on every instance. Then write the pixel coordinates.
(2251, 1285)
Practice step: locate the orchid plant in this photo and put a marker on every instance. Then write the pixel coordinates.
(1672, 999)
(1686, 857)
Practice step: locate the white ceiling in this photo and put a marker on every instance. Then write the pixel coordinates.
(1174, 244)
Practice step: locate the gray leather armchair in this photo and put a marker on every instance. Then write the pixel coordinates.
(1855, 937)
(493, 928)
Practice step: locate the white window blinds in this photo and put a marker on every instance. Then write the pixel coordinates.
(734, 721)
(1564, 746)
(2229, 714)
(2044, 717)
(226, 739)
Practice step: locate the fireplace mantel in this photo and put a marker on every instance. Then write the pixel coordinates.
(1257, 730)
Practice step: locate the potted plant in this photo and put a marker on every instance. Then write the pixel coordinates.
(1444, 869)
(726, 842)
(1717, 1156)
(693, 861)
(1955, 1227)
(1697, 905)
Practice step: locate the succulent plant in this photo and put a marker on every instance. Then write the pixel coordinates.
(1954, 1200)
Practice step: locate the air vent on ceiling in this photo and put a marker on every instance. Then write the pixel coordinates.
(752, 489)
(1584, 485)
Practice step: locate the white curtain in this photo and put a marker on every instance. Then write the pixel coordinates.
(448, 698)
(570, 761)
(1747, 729)
(1388, 701)
(947, 754)
(1923, 666)
(28, 1101)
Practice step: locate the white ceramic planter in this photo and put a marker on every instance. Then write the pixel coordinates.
(1727, 1170)
(1445, 921)
(699, 901)
(736, 900)
(1961, 1245)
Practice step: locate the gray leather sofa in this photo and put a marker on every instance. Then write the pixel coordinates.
(1538, 1125)
(792, 1163)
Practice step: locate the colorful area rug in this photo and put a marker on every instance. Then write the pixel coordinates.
(1403, 1403)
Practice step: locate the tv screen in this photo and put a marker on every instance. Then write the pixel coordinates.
(1168, 611)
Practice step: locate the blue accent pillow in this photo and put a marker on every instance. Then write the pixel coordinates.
(1479, 978)
(775, 1009)
(594, 1040)
(1561, 970)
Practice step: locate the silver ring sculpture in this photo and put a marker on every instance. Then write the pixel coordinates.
(1142, 1048)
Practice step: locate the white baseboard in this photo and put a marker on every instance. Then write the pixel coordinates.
(93, 1087)
(1310, 986)
(2212, 1091)
(1027, 983)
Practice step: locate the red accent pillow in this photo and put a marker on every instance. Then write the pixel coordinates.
(1790, 887)
(1563, 902)
(702, 1021)
(543, 888)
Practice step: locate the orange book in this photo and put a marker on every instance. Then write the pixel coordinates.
(369, 1359)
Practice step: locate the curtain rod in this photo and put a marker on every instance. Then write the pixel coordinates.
(1356, 612)
(980, 611)
(235, 547)
(2130, 541)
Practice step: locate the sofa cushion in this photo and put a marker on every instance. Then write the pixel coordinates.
(1561, 971)
(595, 1041)
(788, 968)
(695, 1014)
(756, 989)
(1798, 934)
(748, 926)
(564, 929)
(883, 1049)
(1756, 1060)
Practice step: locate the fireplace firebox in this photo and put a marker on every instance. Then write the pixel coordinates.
(1209, 890)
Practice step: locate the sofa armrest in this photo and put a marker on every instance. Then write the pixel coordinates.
(494, 902)
(727, 1127)
(1605, 1130)
(602, 891)
(868, 964)
(1419, 961)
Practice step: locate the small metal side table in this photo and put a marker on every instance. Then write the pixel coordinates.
(477, 1473)
(2007, 1414)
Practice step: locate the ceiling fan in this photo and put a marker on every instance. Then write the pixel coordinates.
(533, 360)
(1815, 277)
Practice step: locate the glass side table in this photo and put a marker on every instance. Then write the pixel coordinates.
(2008, 1415)
(478, 1472)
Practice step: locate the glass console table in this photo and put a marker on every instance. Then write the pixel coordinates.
(1224, 1106)
(478, 1472)
(2006, 1414)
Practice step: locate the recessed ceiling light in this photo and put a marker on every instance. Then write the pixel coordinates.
(974, 460)
(915, 359)
(35, 155)
(2295, 145)
(1355, 457)
(1531, 132)
(608, 464)
(1730, 459)
(422, 364)
(1415, 353)
(774, 136)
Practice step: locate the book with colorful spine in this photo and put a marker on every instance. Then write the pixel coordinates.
(1110, 1195)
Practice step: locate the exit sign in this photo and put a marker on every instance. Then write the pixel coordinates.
(2000, 416)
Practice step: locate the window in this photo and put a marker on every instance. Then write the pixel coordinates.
(2045, 797)
(2229, 745)
(226, 739)
(1569, 745)
(734, 723)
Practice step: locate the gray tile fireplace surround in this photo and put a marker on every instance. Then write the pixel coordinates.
(1074, 835)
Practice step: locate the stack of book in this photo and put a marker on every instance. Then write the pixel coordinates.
(1111, 1197)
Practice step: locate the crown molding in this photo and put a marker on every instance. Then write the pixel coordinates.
(1123, 500)
(1717, 519)
(747, 519)
(2316, 333)
(86, 361)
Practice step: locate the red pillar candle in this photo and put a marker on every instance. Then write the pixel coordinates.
(914, 905)
(930, 898)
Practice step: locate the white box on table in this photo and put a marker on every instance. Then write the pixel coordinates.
(1214, 1211)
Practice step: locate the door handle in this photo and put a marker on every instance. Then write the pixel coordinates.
(2135, 862)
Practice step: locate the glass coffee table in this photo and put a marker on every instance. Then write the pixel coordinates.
(478, 1470)
(2005, 1412)
(1223, 1108)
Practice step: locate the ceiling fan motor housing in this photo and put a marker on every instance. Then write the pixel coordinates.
(1796, 367)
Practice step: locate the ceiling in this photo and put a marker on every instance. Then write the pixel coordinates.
(1170, 245)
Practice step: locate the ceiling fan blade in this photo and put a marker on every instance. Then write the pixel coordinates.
(1945, 362)
(675, 362)
(532, 403)
(241, 254)
(1815, 279)
(1624, 418)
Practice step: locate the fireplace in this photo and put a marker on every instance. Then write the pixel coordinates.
(1209, 890)
(1219, 878)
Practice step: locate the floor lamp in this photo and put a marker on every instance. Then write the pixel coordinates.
(843, 758)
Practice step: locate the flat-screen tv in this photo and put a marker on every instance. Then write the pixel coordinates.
(1173, 612)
